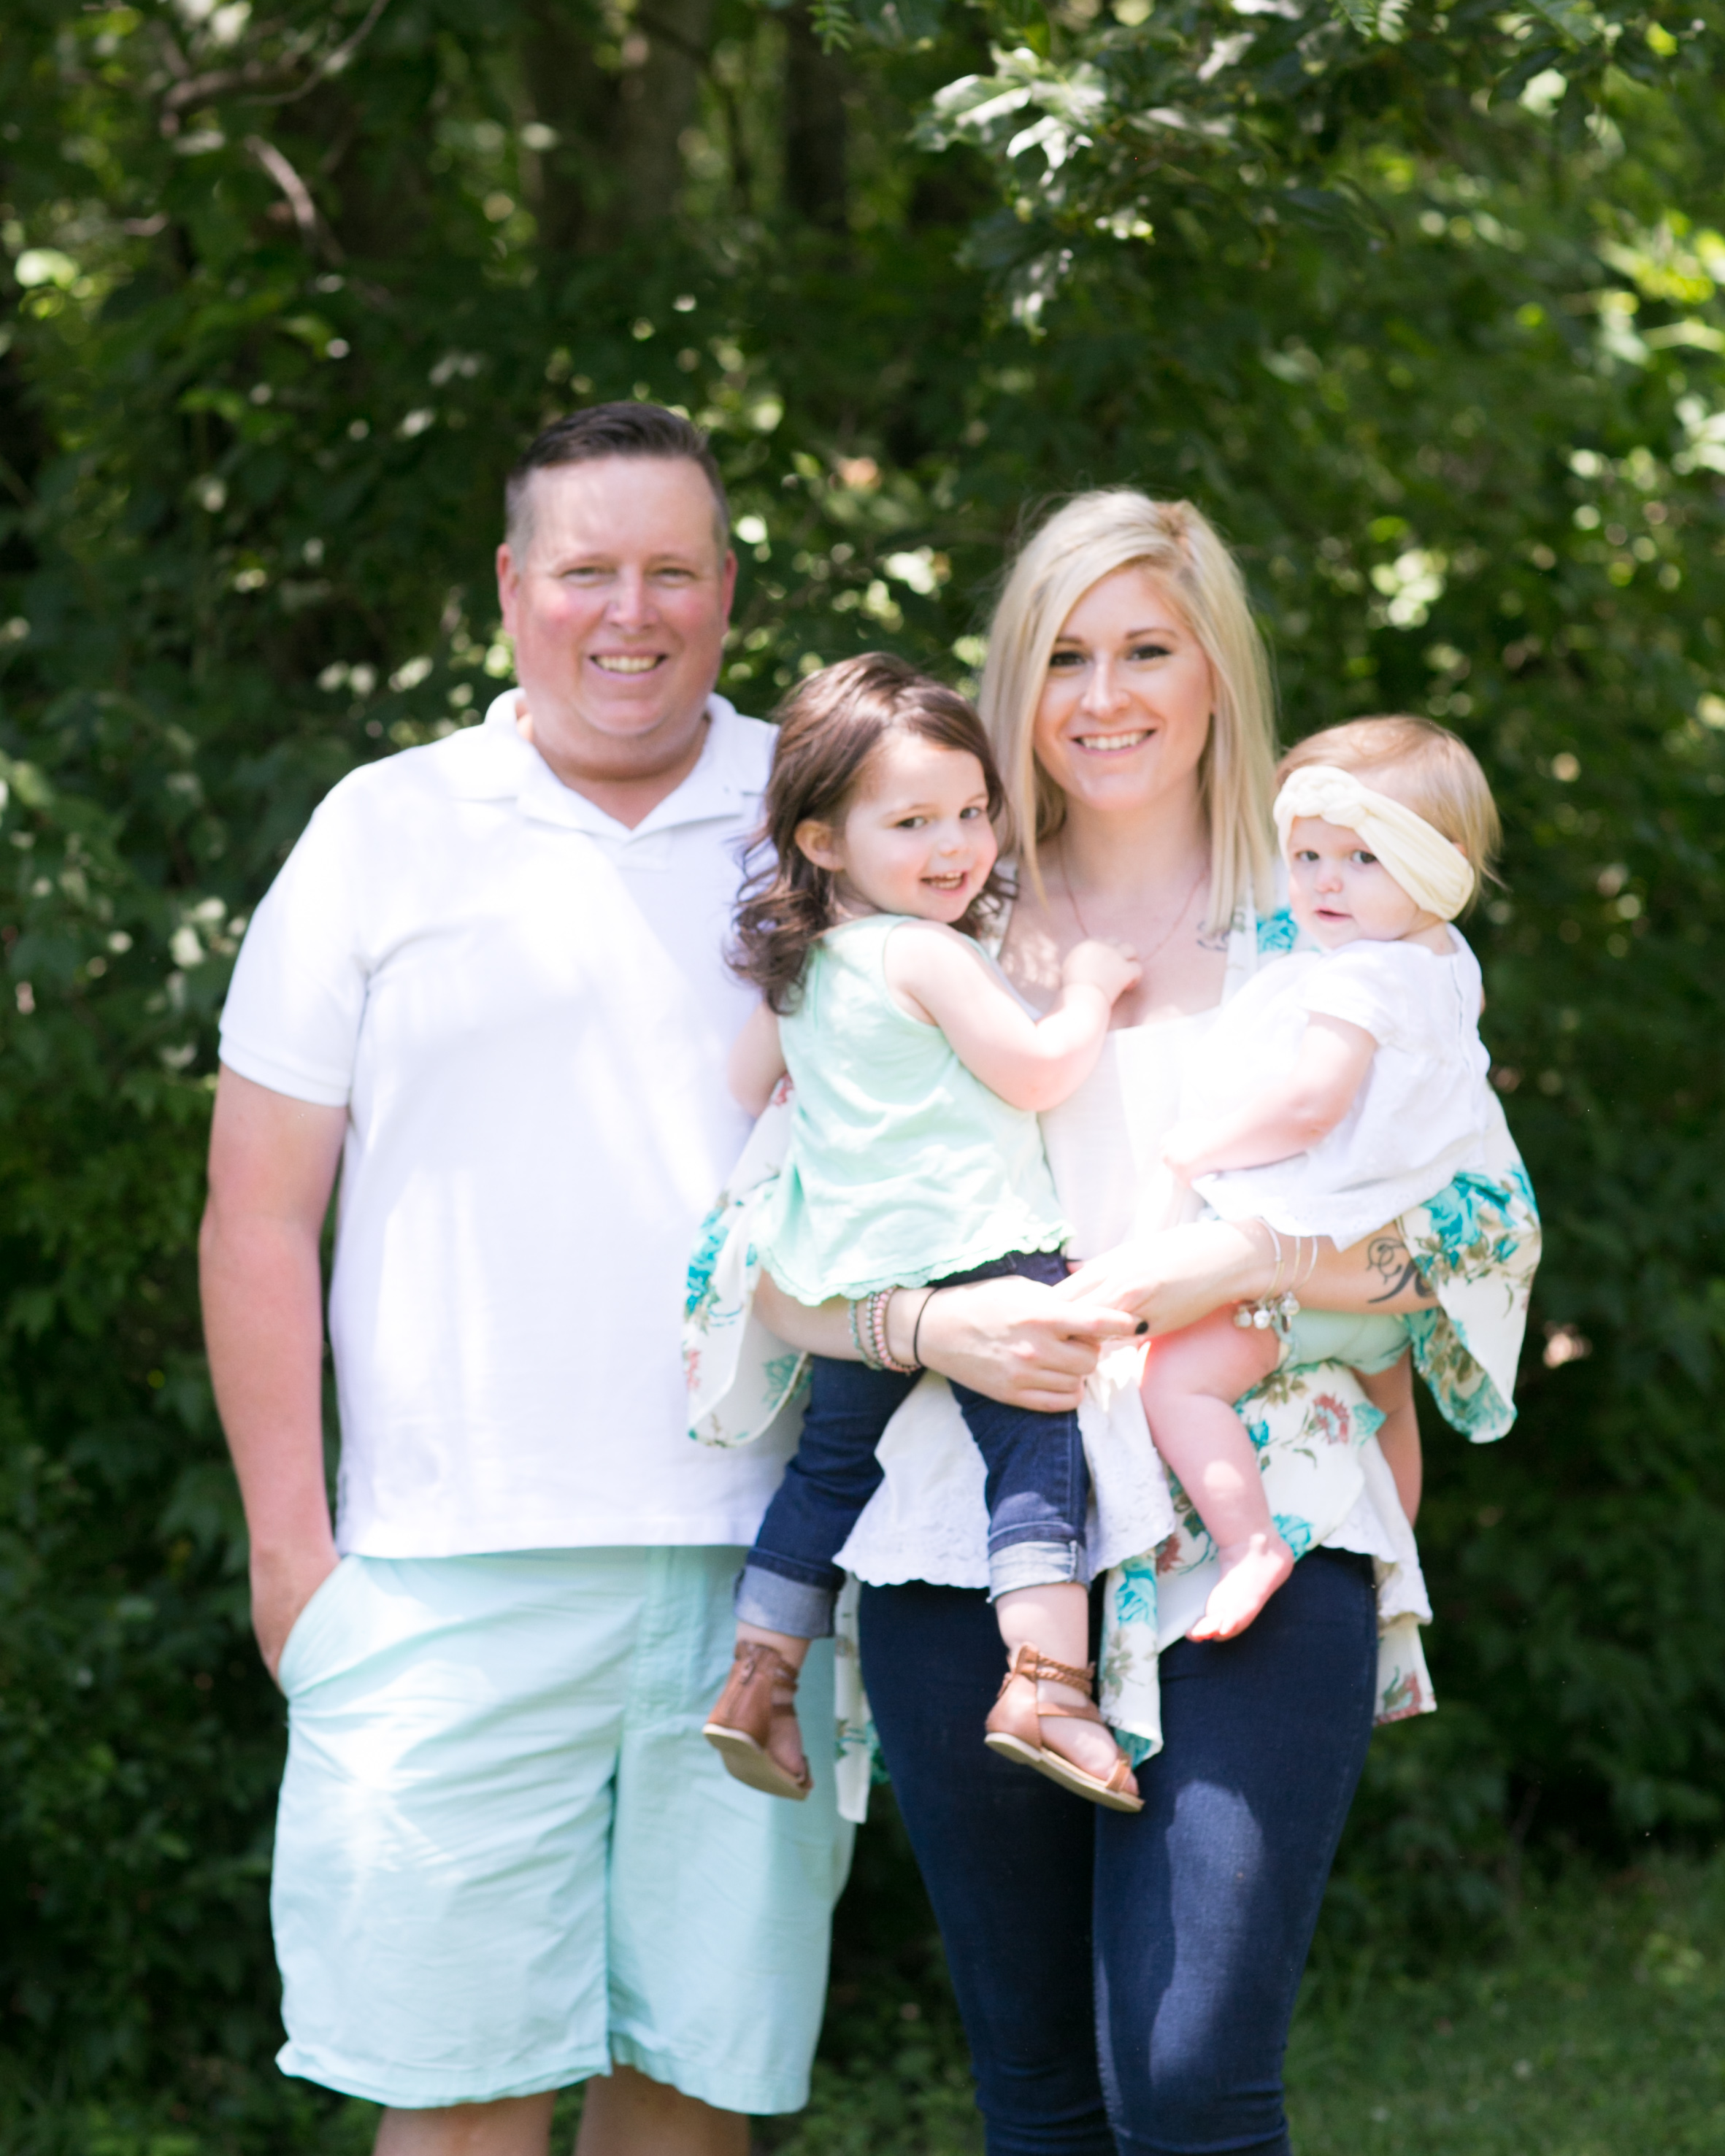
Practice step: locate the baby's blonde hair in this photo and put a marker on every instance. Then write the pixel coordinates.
(1436, 775)
(1090, 538)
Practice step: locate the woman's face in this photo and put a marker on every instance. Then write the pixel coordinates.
(1126, 706)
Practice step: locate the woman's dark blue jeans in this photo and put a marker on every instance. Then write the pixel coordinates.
(1127, 1981)
(1038, 1487)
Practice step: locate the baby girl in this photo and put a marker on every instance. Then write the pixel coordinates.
(1340, 1088)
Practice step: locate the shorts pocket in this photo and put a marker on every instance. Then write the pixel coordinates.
(315, 1631)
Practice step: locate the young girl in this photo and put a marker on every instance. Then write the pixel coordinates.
(1378, 1095)
(914, 1158)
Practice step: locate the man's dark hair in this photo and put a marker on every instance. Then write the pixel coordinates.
(610, 430)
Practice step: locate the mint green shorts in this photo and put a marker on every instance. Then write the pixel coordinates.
(505, 1858)
(1366, 1340)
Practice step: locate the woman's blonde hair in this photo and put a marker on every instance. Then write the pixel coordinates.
(1438, 778)
(1088, 539)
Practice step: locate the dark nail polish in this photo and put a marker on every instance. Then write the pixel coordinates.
(1142, 1326)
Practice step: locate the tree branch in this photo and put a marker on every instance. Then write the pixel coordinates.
(218, 82)
(312, 229)
(336, 60)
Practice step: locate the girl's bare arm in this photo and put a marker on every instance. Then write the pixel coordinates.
(756, 1061)
(1032, 1063)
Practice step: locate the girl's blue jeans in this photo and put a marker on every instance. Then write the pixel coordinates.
(1038, 1485)
(1127, 1981)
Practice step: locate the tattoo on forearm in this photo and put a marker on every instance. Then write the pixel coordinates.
(1387, 1256)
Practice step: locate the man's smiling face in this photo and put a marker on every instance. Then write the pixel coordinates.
(617, 594)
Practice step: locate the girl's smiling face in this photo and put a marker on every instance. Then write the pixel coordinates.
(1342, 893)
(915, 838)
(1126, 706)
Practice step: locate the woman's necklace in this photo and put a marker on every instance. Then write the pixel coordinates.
(1162, 942)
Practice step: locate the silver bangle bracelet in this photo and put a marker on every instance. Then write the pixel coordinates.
(1279, 1308)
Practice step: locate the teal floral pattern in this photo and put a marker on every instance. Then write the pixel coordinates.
(1476, 1244)
(1278, 933)
(739, 1376)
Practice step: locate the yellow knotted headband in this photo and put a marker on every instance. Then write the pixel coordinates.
(1432, 869)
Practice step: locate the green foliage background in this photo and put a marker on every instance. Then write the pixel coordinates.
(1422, 306)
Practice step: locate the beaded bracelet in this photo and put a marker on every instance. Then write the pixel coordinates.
(863, 1347)
(879, 1303)
(868, 1333)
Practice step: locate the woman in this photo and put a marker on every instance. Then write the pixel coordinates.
(1126, 1982)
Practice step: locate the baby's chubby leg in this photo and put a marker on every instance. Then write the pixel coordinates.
(1391, 1391)
(1191, 1381)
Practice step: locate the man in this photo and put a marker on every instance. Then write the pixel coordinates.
(489, 982)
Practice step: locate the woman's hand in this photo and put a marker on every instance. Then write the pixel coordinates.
(1020, 1342)
(1171, 1279)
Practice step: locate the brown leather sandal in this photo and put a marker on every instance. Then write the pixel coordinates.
(1015, 1729)
(760, 1690)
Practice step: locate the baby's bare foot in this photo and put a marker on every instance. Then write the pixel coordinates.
(1251, 1571)
(784, 1747)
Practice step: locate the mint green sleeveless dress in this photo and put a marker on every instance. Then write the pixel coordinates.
(903, 1165)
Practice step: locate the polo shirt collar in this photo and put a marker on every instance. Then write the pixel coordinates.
(502, 766)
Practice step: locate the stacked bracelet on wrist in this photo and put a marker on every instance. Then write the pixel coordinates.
(868, 1333)
(1282, 1306)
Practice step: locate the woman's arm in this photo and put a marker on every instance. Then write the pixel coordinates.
(1173, 1279)
(1020, 1342)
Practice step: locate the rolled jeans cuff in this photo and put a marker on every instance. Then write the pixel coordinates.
(779, 1603)
(1035, 1564)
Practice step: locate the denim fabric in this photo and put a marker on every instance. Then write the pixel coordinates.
(1038, 1485)
(1007, 1860)
(1035, 1564)
(1197, 1913)
(781, 1605)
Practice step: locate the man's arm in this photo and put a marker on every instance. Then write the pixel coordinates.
(272, 1167)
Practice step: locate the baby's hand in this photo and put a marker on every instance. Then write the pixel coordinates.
(1112, 968)
(1183, 1151)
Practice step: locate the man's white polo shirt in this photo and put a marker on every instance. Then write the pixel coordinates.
(524, 1007)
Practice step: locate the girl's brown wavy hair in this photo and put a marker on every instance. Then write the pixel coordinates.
(830, 729)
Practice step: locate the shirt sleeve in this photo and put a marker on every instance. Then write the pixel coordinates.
(292, 1019)
(1356, 983)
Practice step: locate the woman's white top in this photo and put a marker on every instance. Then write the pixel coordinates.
(1420, 1112)
(1475, 1245)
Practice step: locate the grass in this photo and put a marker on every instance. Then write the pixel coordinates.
(1594, 2024)
(1597, 2029)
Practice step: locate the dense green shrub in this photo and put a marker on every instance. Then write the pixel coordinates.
(1439, 344)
